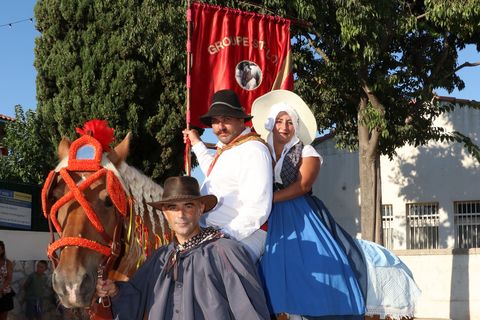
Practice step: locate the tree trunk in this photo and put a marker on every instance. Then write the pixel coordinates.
(370, 196)
(370, 182)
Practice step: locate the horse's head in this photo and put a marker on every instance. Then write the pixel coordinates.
(86, 201)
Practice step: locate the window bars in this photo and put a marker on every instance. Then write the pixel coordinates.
(387, 225)
(423, 220)
(467, 224)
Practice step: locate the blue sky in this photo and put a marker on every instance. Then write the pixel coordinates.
(17, 74)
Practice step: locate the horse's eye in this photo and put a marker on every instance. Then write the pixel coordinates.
(108, 202)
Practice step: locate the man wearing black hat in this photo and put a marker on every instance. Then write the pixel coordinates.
(240, 173)
(200, 275)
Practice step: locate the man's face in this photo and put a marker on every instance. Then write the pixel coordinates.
(182, 217)
(227, 128)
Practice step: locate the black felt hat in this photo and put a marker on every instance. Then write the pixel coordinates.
(184, 188)
(224, 103)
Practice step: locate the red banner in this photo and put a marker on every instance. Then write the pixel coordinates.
(243, 51)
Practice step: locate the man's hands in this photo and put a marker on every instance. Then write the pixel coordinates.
(192, 135)
(106, 288)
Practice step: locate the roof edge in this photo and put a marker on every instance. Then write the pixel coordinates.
(6, 118)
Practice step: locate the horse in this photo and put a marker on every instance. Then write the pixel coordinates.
(97, 204)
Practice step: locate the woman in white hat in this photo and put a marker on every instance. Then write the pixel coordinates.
(311, 265)
(305, 270)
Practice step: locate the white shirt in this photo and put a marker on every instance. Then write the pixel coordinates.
(242, 181)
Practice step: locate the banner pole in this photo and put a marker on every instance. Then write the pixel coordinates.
(187, 155)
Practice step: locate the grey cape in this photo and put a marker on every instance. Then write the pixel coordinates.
(216, 280)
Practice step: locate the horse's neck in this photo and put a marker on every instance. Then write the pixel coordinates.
(147, 230)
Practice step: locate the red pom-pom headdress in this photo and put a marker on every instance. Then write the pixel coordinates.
(99, 130)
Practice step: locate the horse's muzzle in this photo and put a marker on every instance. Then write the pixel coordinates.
(74, 289)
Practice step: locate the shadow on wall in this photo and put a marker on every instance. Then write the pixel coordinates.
(460, 288)
(443, 173)
(433, 171)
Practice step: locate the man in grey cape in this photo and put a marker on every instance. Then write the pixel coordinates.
(200, 275)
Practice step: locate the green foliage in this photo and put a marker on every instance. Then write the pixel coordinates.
(122, 61)
(456, 17)
(395, 52)
(373, 119)
(29, 158)
(371, 66)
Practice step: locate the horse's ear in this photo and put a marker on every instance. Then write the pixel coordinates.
(120, 152)
(63, 148)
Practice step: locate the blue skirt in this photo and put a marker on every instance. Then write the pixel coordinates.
(304, 269)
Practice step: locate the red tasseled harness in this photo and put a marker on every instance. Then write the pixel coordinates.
(111, 247)
(115, 191)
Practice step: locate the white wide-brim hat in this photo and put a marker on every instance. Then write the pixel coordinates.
(307, 125)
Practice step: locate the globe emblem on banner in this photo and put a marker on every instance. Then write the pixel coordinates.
(248, 75)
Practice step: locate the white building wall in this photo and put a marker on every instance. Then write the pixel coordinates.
(438, 172)
(338, 185)
(25, 245)
(449, 283)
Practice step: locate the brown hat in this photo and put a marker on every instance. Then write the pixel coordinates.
(224, 103)
(184, 188)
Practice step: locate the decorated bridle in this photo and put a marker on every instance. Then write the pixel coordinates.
(86, 154)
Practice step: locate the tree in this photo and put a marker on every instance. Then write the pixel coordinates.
(369, 69)
(29, 158)
(122, 61)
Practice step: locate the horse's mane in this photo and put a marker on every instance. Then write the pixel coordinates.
(143, 190)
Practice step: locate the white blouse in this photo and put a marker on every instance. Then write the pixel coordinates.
(307, 151)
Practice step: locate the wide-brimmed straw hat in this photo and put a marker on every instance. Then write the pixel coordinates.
(184, 188)
(225, 103)
(261, 107)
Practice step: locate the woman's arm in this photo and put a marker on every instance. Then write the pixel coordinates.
(307, 173)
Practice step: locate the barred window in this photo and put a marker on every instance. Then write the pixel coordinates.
(387, 224)
(423, 220)
(467, 224)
